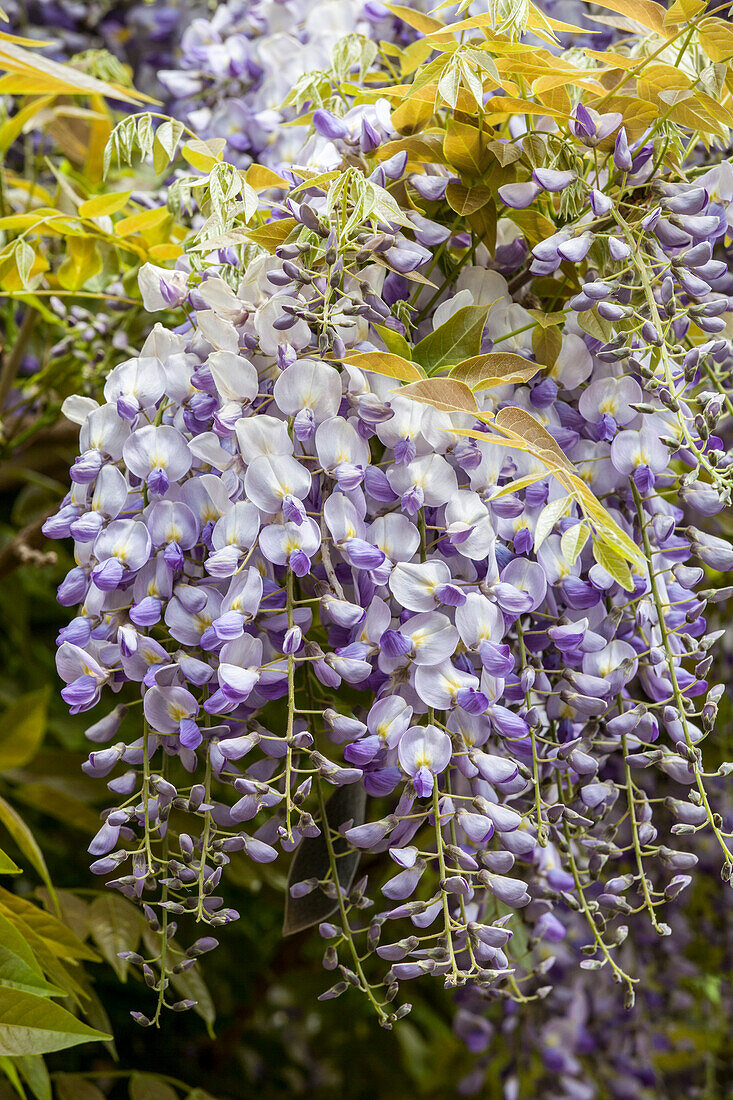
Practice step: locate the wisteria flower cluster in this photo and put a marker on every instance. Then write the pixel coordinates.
(246, 72)
(387, 546)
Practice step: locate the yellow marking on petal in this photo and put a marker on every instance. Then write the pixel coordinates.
(176, 711)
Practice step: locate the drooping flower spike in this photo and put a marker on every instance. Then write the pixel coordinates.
(471, 608)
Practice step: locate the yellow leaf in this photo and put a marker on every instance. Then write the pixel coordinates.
(518, 422)
(683, 11)
(501, 106)
(272, 234)
(82, 263)
(423, 148)
(413, 113)
(100, 129)
(521, 431)
(464, 148)
(426, 24)
(614, 60)
(547, 344)
(165, 251)
(13, 127)
(483, 222)
(145, 219)
(35, 43)
(497, 368)
(558, 25)
(31, 75)
(548, 83)
(613, 563)
(320, 181)
(260, 176)
(385, 363)
(519, 484)
(203, 155)
(25, 222)
(716, 38)
(104, 204)
(414, 55)
(444, 394)
(610, 530)
(466, 200)
(704, 113)
(535, 226)
(645, 12)
(11, 278)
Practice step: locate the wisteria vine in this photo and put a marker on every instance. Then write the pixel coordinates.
(388, 541)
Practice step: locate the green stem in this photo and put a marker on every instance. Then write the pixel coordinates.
(601, 944)
(672, 669)
(291, 713)
(541, 829)
(443, 894)
(345, 926)
(205, 838)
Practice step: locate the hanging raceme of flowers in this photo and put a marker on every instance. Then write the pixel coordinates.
(385, 540)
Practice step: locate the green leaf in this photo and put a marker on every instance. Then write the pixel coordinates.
(9, 1068)
(58, 804)
(458, 339)
(59, 939)
(167, 137)
(591, 322)
(449, 84)
(572, 542)
(394, 341)
(34, 1072)
(69, 1087)
(114, 924)
(311, 861)
(24, 259)
(26, 842)
(8, 866)
(147, 1087)
(34, 1025)
(546, 344)
(613, 563)
(22, 727)
(19, 968)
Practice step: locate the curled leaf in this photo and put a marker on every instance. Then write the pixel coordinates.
(514, 421)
